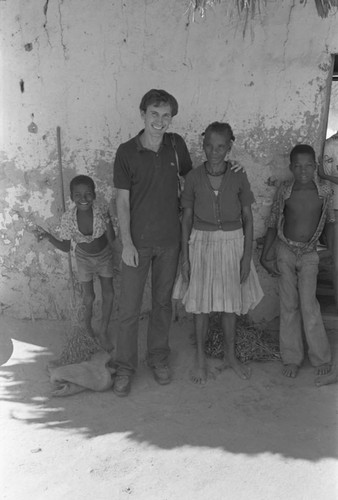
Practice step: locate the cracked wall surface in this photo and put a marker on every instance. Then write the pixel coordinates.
(84, 66)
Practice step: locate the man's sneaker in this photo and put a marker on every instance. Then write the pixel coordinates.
(162, 374)
(122, 385)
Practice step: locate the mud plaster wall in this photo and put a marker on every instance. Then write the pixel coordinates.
(84, 66)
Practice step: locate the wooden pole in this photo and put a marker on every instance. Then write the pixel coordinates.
(70, 267)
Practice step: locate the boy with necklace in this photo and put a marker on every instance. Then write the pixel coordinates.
(217, 233)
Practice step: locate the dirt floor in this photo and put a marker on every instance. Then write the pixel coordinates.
(267, 438)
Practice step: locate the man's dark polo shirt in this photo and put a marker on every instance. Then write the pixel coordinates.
(151, 179)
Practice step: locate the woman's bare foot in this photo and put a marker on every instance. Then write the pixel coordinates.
(290, 370)
(199, 373)
(328, 378)
(323, 369)
(199, 376)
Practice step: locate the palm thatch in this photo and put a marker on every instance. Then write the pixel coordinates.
(324, 6)
(250, 7)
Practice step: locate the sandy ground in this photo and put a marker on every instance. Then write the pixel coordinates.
(266, 438)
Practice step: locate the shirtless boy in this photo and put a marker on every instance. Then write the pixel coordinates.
(301, 208)
(93, 234)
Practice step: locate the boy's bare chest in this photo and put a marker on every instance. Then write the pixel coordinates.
(85, 222)
(304, 202)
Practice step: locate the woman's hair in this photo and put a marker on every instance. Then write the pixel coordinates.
(81, 179)
(220, 128)
(157, 97)
(302, 149)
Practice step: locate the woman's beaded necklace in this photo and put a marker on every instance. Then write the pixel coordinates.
(215, 174)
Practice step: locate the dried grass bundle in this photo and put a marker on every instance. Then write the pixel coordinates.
(252, 343)
(246, 7)
(250, 7)
(79, 345)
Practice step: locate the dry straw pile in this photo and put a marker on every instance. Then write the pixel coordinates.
(252, 343)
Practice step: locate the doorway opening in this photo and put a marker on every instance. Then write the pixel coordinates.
(332, 121)
(325, 283)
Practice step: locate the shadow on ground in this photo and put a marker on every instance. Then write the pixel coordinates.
(267, 414)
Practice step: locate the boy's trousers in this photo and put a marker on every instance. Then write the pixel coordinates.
(299, 307)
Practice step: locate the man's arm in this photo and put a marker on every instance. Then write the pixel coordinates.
(248, 235)
(129, 252)
(184, 159)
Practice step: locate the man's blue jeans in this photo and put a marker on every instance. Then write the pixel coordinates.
(163, 262)
(299, 307)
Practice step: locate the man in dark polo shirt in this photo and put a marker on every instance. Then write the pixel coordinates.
(146, 178)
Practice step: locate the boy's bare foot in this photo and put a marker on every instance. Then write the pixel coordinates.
(329, 378)
(243, 371)
(290, 370)
(323, 369)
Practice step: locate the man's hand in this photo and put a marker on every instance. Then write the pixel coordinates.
(270, 265)
(130, 255)
(236, 167)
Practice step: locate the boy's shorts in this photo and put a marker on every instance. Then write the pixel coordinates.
(90, 264)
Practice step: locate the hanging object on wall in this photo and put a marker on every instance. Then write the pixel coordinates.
(32, 127)
(199, 7)
(246, 7)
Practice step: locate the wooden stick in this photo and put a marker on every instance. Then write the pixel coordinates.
(70, 268)
(58, 137)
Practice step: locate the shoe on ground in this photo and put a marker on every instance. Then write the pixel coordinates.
(162, 374)
(122, 385)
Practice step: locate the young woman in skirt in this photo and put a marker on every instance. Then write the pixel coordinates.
(217, 272)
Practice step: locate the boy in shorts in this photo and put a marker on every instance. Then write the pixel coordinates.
(301, 208)
(92, 232)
